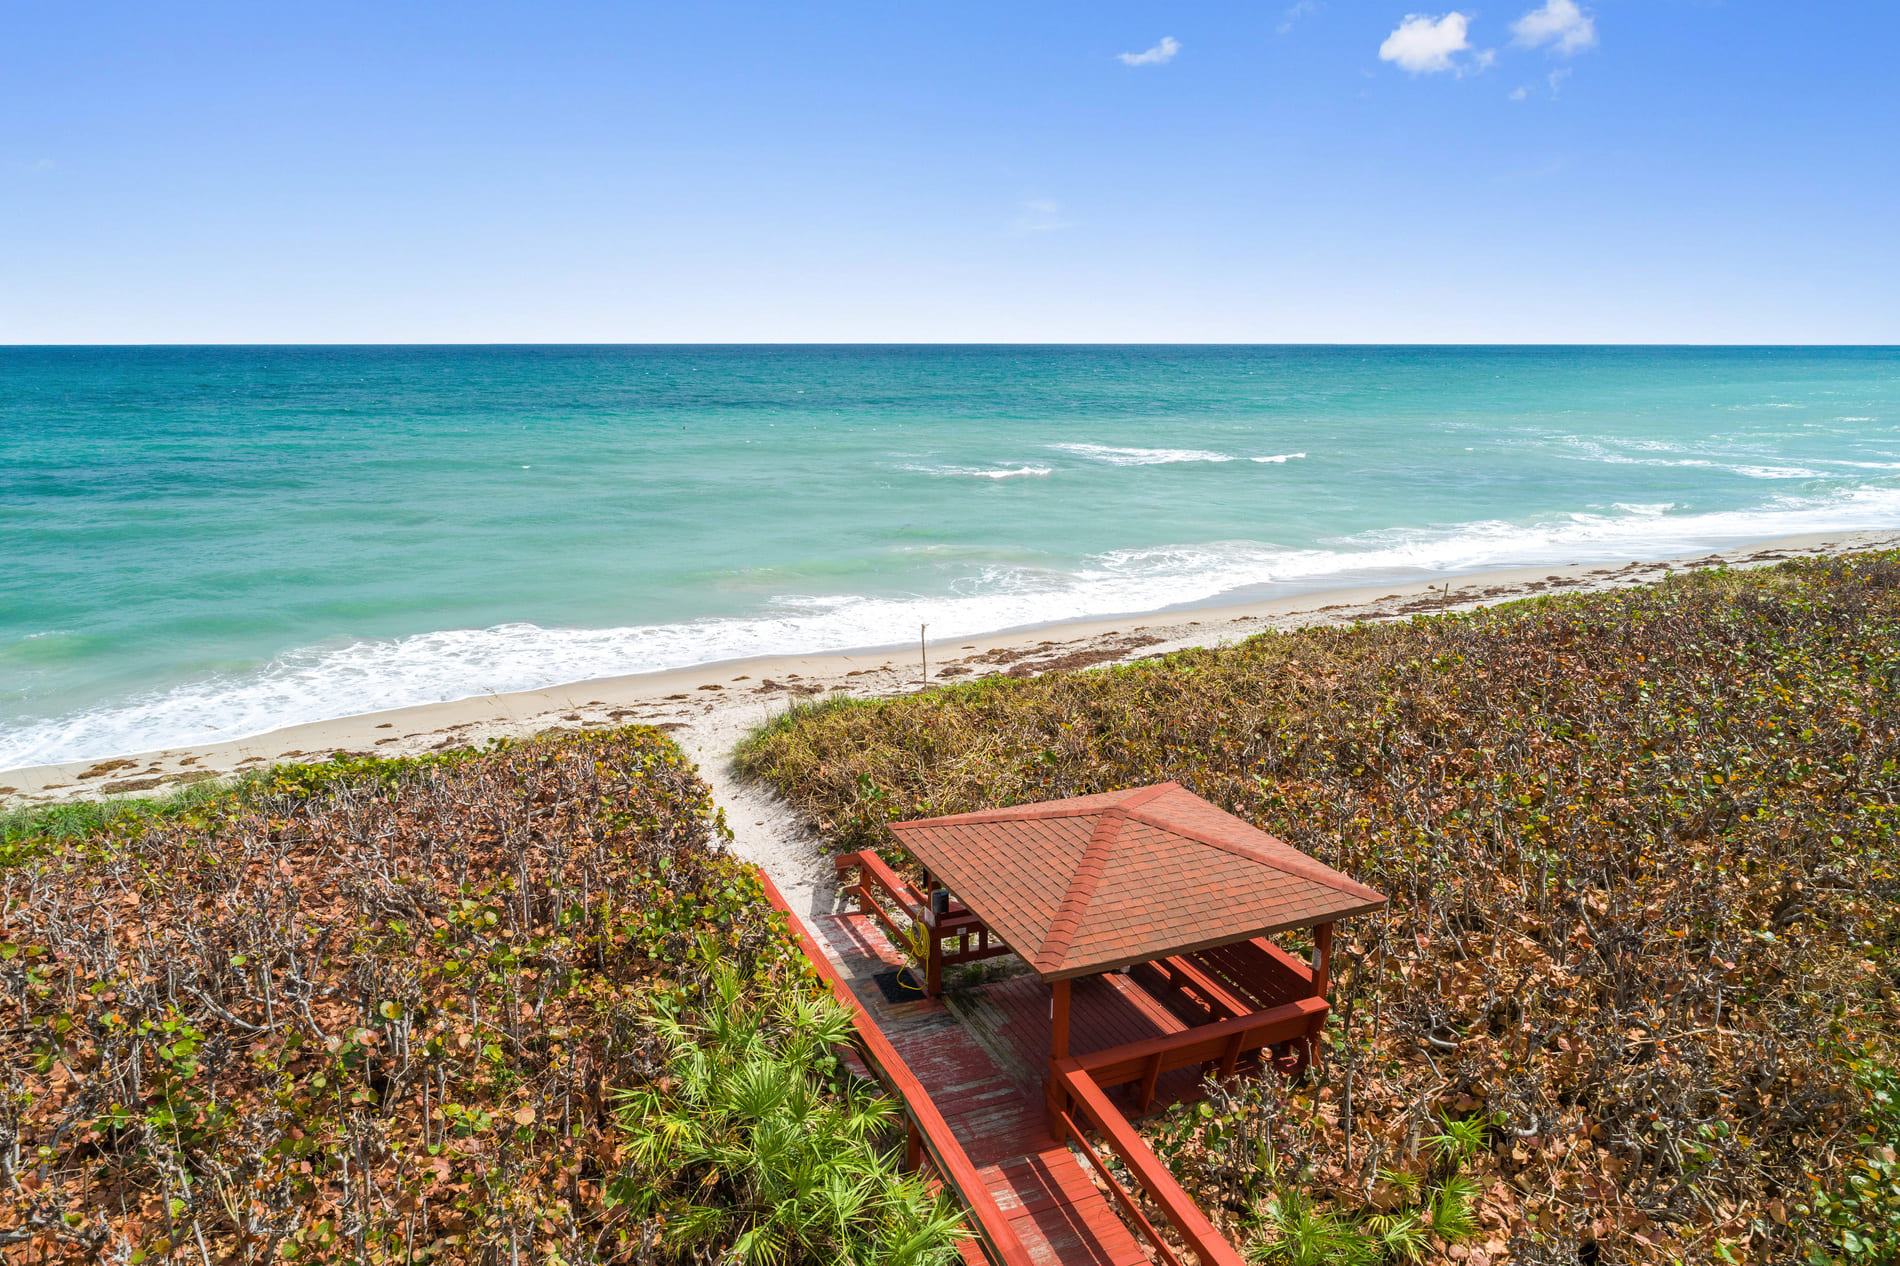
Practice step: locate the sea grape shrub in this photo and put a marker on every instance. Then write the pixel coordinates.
(365, 1011)
(1857, 1216)
(1640, 849)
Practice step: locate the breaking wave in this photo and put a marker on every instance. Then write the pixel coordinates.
(347, 678)
(978, 472)
(1111, 456)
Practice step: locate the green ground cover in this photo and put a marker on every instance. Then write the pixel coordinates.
(1640, 849)
(515, 1005)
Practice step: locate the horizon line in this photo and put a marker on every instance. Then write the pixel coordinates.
(868, 343)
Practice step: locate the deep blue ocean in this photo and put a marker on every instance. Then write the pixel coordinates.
(201, 543)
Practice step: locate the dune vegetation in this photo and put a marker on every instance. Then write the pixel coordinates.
(1633, 997)
(507, 1006)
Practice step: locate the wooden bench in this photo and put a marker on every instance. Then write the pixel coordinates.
(1258, 971)
(1219, 1045)
(1221, 1002)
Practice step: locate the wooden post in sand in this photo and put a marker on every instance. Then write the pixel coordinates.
(923, 656)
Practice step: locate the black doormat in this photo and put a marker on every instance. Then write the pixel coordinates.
(899, 984)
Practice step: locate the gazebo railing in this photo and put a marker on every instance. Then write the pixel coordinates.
(1218, 1046)
(877, 880)
(878, 884)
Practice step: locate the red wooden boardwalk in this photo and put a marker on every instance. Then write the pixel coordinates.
(988, 1086)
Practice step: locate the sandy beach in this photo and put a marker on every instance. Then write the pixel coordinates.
(709, 708)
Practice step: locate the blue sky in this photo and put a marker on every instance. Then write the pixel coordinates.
(1622, 171)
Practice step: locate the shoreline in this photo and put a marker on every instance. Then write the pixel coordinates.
(709, 707)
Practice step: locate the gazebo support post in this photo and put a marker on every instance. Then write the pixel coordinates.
(1059, 1020)
(1322, 959)
(1322, 984)
(1056, 1100)
(933, 954)
(933, 959)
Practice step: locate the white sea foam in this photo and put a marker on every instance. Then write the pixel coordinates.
(1278, 457)
(1776, 472)
(334, 680)
(1617, 459)
(1595, 452)
(1140, 456)
(980, 472)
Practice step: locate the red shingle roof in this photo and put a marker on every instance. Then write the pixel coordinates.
(1085, 885)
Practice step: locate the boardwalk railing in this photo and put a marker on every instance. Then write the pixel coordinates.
(1131, 1208)
(878, 883)
(994, 1236)
(1079, 1084)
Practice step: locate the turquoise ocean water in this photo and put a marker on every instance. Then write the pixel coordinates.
(201, 543)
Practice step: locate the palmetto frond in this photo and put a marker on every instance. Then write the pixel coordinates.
(757, 1088)
(765, 1150)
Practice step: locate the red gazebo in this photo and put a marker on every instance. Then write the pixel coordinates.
(1153, 882)
(1145, 917)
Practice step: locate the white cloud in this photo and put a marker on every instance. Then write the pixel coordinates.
(1039, 215)
(1424, 45)
(1554, 82)
(1560, 24)
(1160, 54)
(1300, 9)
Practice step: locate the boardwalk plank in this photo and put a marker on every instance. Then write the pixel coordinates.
(994, 1105)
